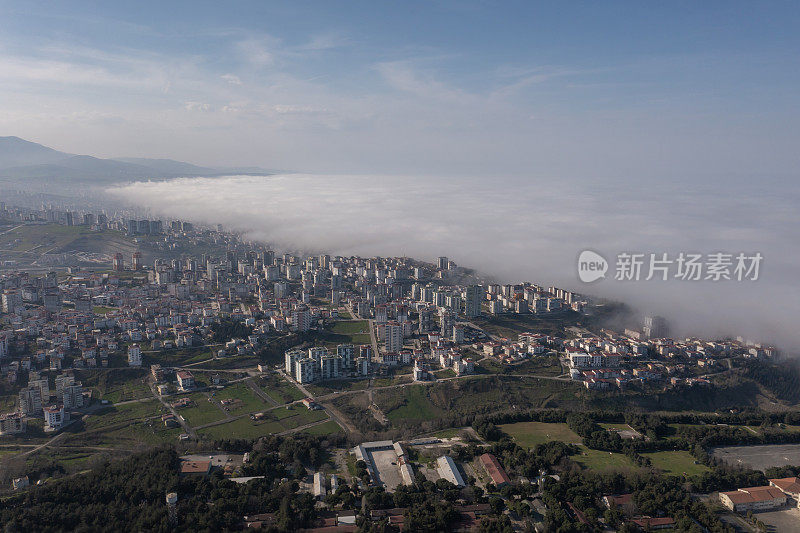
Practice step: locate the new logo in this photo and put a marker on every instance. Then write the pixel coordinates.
(591, 266)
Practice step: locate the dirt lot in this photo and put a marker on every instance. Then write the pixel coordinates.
(385, 462)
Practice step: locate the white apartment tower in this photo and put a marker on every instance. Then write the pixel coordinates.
(394, 337)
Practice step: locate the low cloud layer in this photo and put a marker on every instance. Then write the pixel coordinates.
(522, 230)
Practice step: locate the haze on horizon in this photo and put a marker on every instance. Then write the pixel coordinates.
(507, 135)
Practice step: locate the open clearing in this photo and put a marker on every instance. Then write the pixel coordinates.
(602, 461)
(530, 434)
(676, 463)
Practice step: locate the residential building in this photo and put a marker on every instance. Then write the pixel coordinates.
(134, 355)
(394, 337)
(185, 380)
(54, 417)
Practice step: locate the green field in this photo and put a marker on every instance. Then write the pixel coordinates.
(676, 463)
(355, 331)
(180, 357)
(617, 427)
(297, 415)
(250, 403)
(117, 385)
(279, 389)
(602, 461)
(243, 428)
(115, 414)
(328, 387)
(529, 434)
(415, 406)
(448, 433)
(204, 411)
(326, 428)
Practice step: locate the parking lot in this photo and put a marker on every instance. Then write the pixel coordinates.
(759, 457)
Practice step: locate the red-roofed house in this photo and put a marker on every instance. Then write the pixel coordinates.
(753, 499)
(788, 485)
(494, 469)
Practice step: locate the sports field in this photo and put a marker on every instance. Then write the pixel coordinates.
(530, 434)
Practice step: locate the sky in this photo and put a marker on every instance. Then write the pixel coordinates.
(558, 90)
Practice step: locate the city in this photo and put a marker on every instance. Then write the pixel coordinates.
(143, 349)
(382, 267)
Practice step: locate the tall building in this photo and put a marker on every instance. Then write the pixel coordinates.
(655, 327)
(136, 262)
(3, 344)
(73, 397)
(446, 322)
(44, 387)
(347, 353)
(394, 337)
(443, 263)
(473, 298)
(291, 357)
(280, 289)
(305, 370)
(301, 318)
(30, 401)
(134, 355)
(118, 263)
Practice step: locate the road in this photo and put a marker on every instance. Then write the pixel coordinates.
(186, 427)
(332, 411)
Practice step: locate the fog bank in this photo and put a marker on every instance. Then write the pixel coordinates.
(523, 230)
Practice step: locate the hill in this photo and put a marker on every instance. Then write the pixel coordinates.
(25, 160)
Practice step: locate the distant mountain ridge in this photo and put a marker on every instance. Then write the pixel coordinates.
(21, 159)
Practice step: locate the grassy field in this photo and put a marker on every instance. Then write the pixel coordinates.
(473, 395)
(602, 461)
(618, 427)
(279, 389)
(116, 385)
(179, 357)
(327, 387)
(326, 428)
(243, 428)
(529, 434)
(356, 330)
(47, 235)
(114, 414)
(448, 433)
(416, 406)
(245, 400)
(676, 463)
(203, 412)
(298, 415)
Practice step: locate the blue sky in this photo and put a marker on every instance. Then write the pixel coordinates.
(559, 89)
